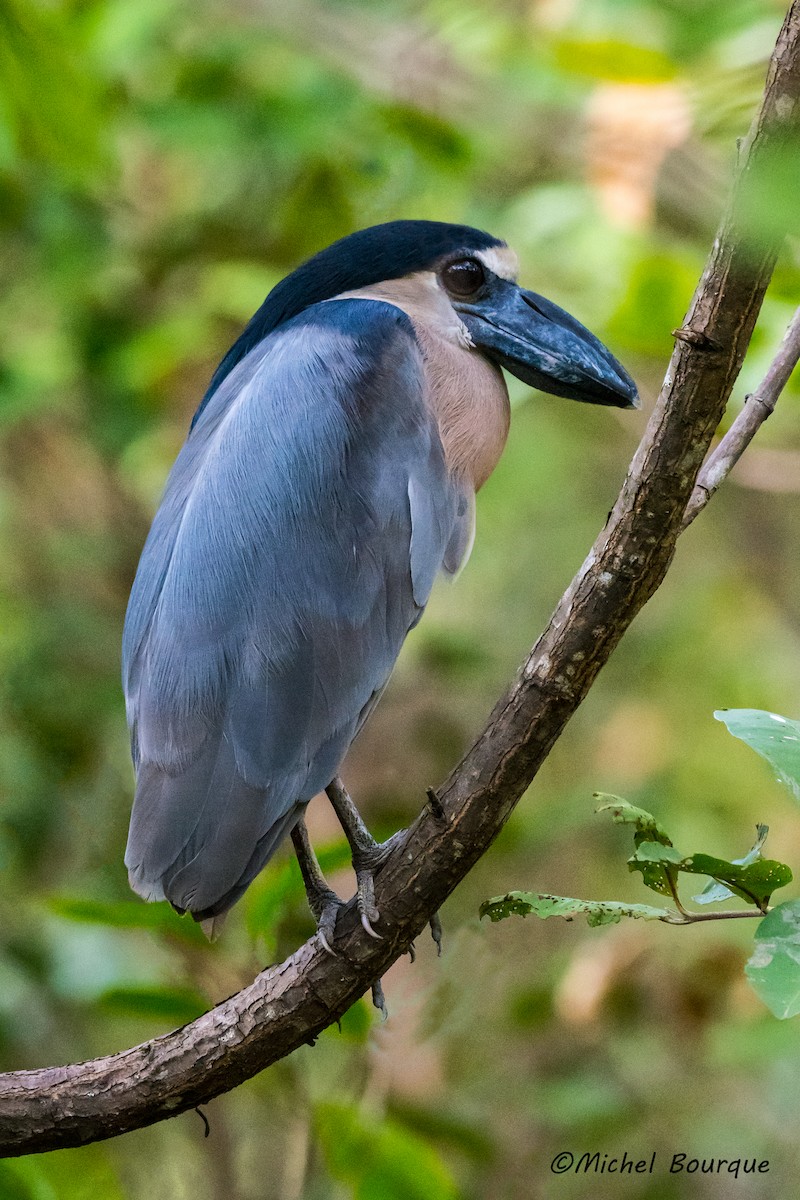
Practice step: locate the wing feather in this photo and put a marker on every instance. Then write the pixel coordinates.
(295, 546)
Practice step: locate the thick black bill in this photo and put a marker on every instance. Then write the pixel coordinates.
(545, 347)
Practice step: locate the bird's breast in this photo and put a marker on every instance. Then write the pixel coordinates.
(469, 399)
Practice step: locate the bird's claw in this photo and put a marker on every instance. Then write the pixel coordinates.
(367, 908)
(326, 924)
(379, 1000)
(368, 855)
(436, 932)
(367, 927)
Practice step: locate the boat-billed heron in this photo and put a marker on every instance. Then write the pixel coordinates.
(328, 477)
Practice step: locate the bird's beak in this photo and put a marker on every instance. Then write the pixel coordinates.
(545, 347)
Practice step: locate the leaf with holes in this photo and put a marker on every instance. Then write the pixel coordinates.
(659, 865)
(755, 882)
(597, 912)
(715, 893)
(623, 813)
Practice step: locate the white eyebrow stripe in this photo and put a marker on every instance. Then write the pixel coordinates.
(501, 260)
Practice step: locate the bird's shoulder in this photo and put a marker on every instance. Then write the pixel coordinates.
(342, 343)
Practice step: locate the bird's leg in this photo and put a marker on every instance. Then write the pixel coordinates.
(368, 855)
(322, 900)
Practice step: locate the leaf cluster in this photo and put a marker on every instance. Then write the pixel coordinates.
(774, 968)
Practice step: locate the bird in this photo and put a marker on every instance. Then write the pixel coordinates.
(328, 477)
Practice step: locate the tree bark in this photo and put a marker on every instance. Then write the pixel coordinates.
(289, 1004)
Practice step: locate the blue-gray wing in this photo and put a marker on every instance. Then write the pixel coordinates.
(296, 544)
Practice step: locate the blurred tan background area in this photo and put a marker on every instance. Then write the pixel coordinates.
(162, 165)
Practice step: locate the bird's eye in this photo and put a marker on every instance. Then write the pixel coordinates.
(464, 277)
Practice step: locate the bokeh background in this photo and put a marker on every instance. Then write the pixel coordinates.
(162, 165)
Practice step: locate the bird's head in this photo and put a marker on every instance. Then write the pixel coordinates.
(531, 337)
(475, 274)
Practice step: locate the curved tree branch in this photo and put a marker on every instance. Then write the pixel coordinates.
(289, 1004)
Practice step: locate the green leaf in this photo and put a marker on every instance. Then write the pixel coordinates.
(774, 967)
(775, 738)
(164, 348)
(715, 893)
(275, 891)
(659, 865)
(774, 191)
(755, 882)
(623, 813)
(24, 1181)
(236, 288)
(52, 105)
(379, 1159)
(174, 1006)
(597, 912)
(658, 290)
(61, 1175)
(435, 140)
(331, 857)
(444, 1128)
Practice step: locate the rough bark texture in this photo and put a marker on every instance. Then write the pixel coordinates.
(289, 1004)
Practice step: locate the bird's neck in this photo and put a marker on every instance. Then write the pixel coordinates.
(468, 396)
(466, 393)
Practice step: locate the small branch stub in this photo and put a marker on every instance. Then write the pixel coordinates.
(696, 338)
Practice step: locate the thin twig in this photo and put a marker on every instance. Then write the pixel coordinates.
(757, 407)
(685, 917)
(676, 898)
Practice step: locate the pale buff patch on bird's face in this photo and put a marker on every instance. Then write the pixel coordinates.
(501, 260)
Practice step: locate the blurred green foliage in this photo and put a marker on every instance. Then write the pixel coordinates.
(162, 165)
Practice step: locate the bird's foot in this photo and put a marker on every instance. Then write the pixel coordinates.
(367, 861)
(325, 904)
(368, 855)
(326, 922)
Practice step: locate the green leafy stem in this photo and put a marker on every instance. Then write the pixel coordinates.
(774, 968)
(752, 878)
